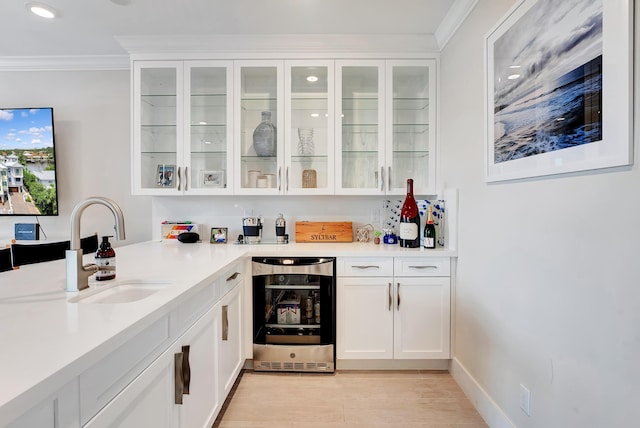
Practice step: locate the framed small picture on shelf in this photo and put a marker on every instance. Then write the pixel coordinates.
(212, 179)
(219, 235)
(165, 175)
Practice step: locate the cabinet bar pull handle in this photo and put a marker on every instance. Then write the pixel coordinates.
(390, 297)
(225, 322)
(186, 178)
(398, 291)
(232, 277)
(186, 370)
(279, 178)
(389, 179)
(179, 179)
(382, 179)
(178, 381)
(287, 179)
(424, 267)
(365, 266)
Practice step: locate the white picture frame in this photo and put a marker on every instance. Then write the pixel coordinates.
(212, 179)
(526, 131)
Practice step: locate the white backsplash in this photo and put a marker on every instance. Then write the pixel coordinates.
(227, 211)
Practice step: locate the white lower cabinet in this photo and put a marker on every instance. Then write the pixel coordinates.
(58, 411)
(393, 308)
(230, 340)
(176, 390)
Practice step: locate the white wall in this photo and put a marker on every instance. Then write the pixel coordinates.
(548, 278)
(92, 131)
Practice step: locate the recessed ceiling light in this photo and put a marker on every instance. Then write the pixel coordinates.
(312, 78)
(315, 115)
(42, 10)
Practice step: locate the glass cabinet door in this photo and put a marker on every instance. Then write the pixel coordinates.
(309, 127)
(157, 127)
(411, 135)
(208, 115)
(259, 120)
(360, 119)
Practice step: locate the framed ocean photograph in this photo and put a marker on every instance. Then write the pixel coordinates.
(559, 88)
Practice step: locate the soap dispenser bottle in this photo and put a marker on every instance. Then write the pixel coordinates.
(105, 256)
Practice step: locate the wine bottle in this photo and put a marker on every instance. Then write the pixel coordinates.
(429, 231)
(409, 220)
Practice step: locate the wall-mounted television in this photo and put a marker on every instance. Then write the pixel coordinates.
(28, 184)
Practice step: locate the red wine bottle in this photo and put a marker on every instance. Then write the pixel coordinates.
(429, 231)
(409, 220)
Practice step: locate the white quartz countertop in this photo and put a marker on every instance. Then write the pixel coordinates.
(47, 340)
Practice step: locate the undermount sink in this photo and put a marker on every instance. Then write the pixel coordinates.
(125, 291)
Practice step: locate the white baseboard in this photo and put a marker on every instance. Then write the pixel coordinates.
(481, 400)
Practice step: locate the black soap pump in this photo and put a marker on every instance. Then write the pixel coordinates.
(106, 260)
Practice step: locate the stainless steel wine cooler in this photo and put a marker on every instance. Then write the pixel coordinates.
(294, 314)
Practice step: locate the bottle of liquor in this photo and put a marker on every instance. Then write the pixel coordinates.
(429, 231)
(409, 220)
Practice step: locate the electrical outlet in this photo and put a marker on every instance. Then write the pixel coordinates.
(375, 215)
(525, 399)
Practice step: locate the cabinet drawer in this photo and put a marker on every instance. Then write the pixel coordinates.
(230, 278)
(437, 266)
(103, 381)
(365, 266)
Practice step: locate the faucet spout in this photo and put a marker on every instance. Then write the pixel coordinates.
(77, 274)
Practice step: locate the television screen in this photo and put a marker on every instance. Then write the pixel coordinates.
(27, 162)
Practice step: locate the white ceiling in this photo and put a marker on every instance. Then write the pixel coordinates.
(91, 27)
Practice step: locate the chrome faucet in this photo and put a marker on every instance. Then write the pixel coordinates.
(77, 273)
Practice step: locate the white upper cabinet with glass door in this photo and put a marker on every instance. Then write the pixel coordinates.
(209, 133)
(258, 124)
(411, 131)
(309, 130)
(182, 138)
(360, 128)
(157, 127)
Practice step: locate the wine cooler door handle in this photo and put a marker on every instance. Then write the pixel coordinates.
(225, 323)
(398, 301)
(382, 179)
(390, 297)
(178, 380)
(389, 188)
(179, 179)
(186, 370)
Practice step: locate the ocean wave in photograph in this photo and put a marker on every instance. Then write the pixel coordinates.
(565, 115)
(548, 80)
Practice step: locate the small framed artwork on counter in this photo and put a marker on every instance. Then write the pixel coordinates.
(219, 235)
(165, 175)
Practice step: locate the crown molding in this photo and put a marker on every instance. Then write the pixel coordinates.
(452, 21)
(64, 63)
(271, 45)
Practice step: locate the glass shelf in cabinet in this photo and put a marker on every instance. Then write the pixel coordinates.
(410, 128)
(159, 101)
(208, 100)
(410, 103)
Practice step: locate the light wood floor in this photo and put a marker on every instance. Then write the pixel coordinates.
(348, 399)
